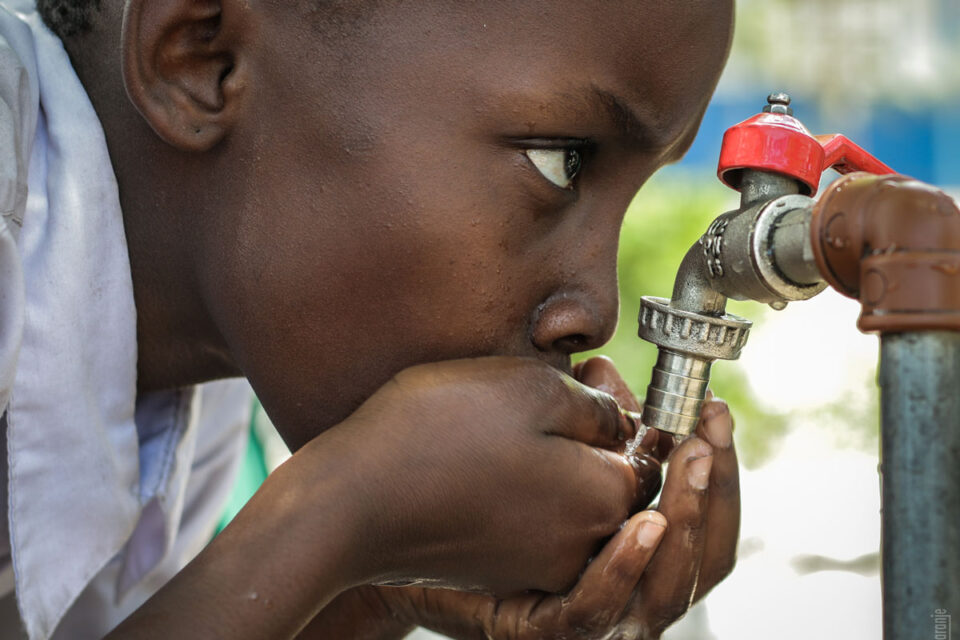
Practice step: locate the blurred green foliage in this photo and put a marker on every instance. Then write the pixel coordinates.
(665, 218)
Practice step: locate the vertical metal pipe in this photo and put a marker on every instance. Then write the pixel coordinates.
(920, 412)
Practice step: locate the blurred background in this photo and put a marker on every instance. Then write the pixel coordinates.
(886, 73)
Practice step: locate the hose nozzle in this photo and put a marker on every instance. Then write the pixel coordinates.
(688, 344)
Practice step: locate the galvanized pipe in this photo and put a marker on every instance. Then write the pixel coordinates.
(920, 409)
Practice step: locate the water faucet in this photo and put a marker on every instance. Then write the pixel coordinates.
(762, 251)
(890, 242)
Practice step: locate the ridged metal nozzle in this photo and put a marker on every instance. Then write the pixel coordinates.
(689, 343)
(676, 392)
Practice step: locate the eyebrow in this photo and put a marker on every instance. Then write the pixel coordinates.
(634, 126)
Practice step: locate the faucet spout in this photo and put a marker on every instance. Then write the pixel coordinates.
(693, 288)
(760, 252)
(691, 331)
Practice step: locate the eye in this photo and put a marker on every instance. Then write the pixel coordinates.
(559, 166)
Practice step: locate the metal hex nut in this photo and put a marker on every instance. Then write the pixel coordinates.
(686, 332)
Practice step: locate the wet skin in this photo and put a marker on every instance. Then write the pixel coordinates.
(321, 201)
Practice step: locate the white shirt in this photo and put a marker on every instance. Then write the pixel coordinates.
(108, 494)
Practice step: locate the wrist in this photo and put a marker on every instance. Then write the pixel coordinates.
(318, 521)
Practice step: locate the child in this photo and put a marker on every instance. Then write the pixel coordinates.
(398, 221)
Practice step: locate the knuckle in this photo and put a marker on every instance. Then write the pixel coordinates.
(696, 534)
(623, 574)
(688, 516)
(724, 486)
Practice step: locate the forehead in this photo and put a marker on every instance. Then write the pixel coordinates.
(648, 66)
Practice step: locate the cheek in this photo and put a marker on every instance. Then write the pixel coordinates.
(447, 246)
(353, 285)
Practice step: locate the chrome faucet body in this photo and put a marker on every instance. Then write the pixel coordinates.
(762, 252)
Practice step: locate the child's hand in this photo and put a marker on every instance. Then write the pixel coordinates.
(644, 578)
(493, 474)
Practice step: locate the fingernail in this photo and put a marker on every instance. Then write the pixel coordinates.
(650, 533)
(717, 425)
(698, 472)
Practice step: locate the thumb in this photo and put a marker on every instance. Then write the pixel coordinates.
(600, 373)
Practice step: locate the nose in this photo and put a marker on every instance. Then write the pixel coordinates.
(576, 320)
(582, 311)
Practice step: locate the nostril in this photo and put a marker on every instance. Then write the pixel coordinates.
(571, 323)
(574, 343)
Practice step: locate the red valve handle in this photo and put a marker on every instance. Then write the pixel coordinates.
(846, 156)
(778, 142)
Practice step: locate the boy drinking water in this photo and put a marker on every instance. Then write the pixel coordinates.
(398, 221)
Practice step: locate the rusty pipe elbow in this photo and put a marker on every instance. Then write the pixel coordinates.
(893, 243)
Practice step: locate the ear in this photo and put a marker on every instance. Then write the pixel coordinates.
(179, 62)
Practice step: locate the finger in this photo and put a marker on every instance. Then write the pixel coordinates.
(600, 373)
(590, 416)
(649, 478)
(576, 369)
(665, 444)
(668, 586)
(723, 506)
(599, 598)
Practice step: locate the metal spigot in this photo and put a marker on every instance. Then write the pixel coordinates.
(762, 251)
(688, 344)
(888, 241)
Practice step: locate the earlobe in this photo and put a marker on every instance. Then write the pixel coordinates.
(179, 69)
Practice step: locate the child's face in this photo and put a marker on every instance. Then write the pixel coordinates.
(388, 213)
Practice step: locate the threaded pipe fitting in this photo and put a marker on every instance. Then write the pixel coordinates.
(689, 343)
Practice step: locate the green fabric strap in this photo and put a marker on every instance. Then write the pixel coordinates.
(253, 471)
